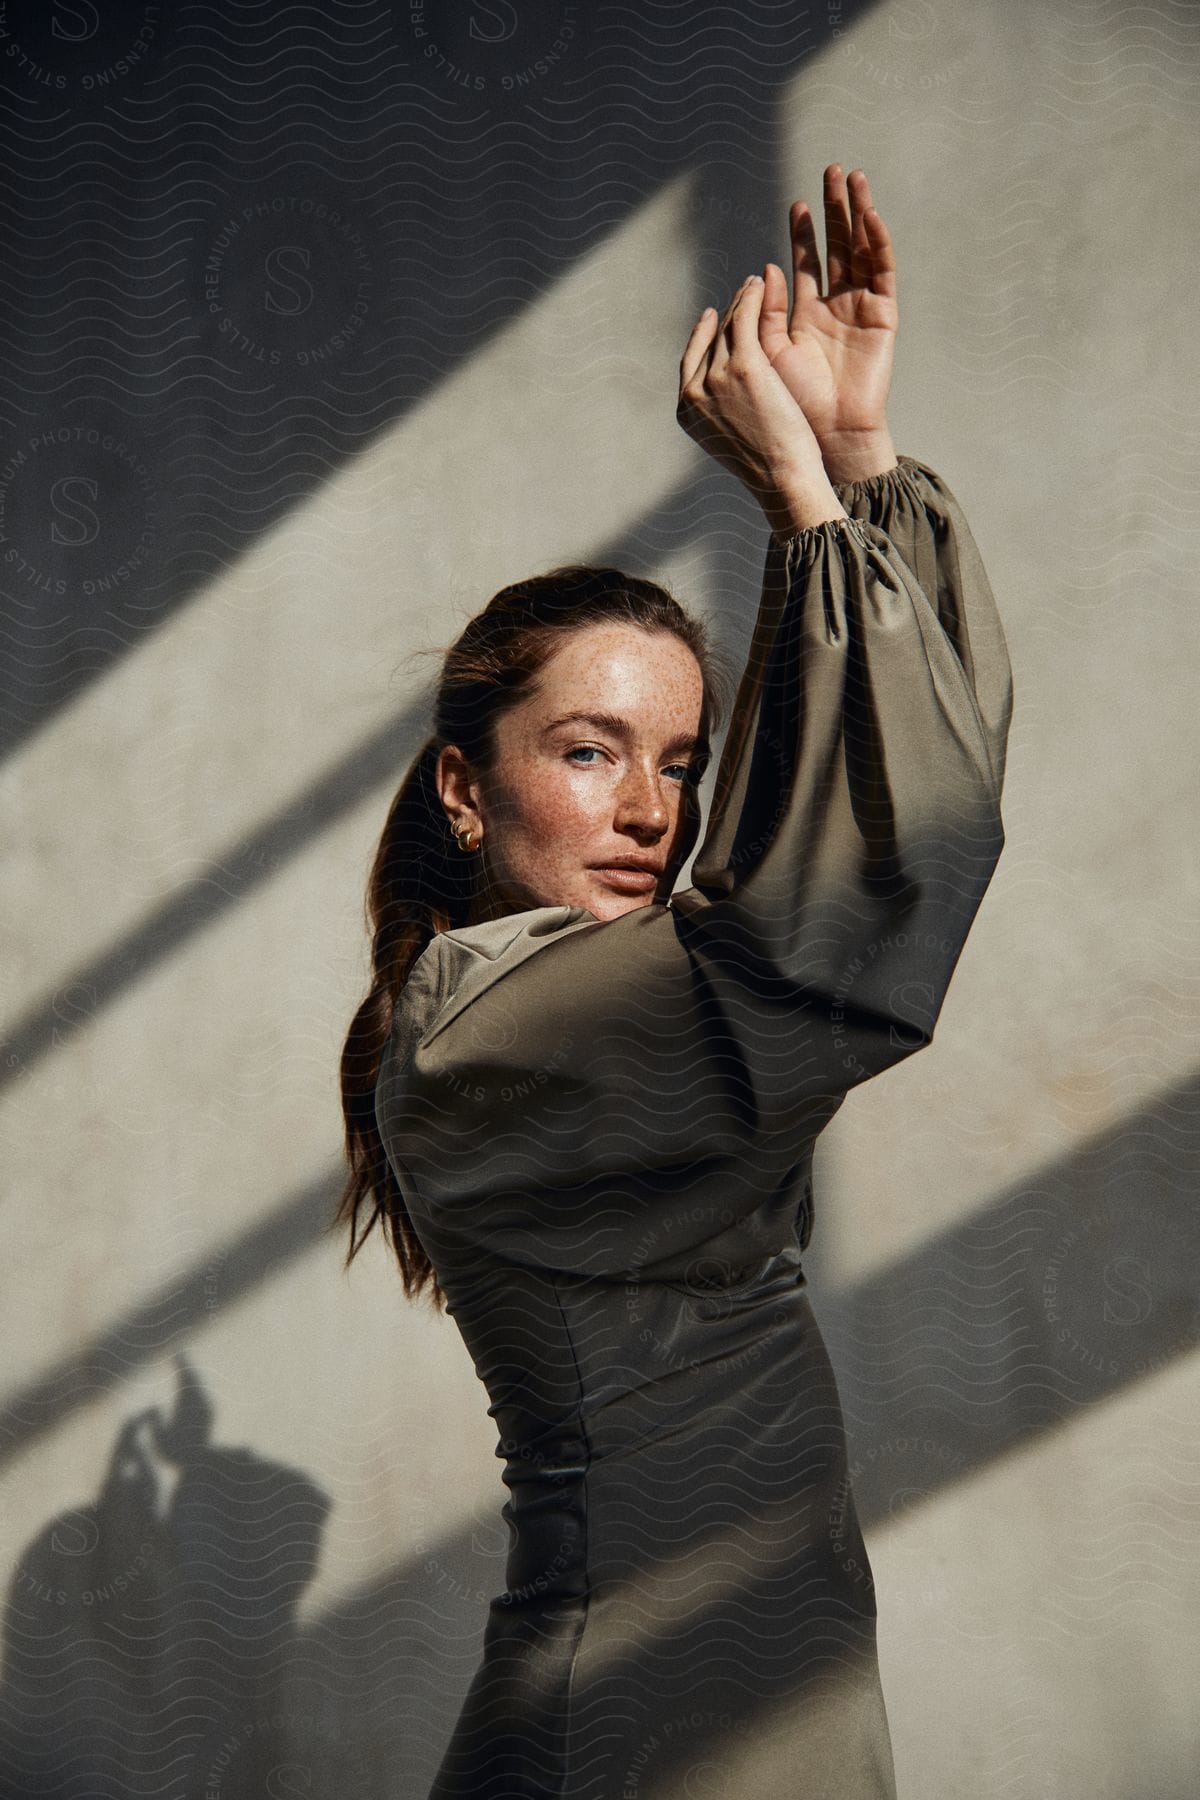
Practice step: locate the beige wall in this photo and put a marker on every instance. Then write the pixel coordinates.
(1006, 1248)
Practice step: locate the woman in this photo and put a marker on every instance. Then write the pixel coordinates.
(585, 1106)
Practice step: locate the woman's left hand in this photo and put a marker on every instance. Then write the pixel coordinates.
(834, 353)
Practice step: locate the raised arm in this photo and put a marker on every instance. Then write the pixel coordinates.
(856, 818)
(833, 347)
(921, 517)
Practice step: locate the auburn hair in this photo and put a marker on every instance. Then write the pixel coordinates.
(420, 881)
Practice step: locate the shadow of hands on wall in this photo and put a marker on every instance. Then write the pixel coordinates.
(1072, 1284)
(150, 1635)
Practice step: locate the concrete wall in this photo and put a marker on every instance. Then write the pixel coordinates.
(364, 333)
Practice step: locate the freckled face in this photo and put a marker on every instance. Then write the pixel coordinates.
(568, 794)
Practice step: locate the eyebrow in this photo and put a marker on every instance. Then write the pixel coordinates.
(621, 728)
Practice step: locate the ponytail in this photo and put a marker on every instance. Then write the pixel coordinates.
(420, 884)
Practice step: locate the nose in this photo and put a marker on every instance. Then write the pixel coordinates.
(641, 804)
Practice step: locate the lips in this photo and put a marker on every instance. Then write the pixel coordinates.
(646, 863)
(629, 878)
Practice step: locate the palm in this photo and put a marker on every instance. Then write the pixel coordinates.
(834, 350)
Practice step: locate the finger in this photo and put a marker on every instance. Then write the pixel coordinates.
(837, 232)
(746, 315)
(695, 351)
(806, 258)
(723, 345)
(773, 318)
(883, 254)
(727, 316)
(859, 194)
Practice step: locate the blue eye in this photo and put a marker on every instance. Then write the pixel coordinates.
(687, 771)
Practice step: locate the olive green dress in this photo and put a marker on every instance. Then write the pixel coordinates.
(604, 1133)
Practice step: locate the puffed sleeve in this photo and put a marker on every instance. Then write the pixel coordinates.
(600, 1096)
(856, 818)
(925, 524)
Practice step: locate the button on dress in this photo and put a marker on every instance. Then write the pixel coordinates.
(604, 1134)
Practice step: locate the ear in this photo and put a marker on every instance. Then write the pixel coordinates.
(457, 790)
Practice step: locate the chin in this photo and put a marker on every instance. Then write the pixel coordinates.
(607, 905)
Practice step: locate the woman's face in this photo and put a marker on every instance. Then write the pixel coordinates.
(569, 797)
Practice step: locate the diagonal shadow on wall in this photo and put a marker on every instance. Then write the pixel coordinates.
(731, 523)
(1075, 1282)
(1072, 1285)
(256, 251)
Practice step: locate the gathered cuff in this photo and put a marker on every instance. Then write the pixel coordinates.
(873, 484)
(808, 536)
(868, 488)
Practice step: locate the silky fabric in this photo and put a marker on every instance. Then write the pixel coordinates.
(604, 1132)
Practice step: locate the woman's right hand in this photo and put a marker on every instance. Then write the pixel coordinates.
(735, 406)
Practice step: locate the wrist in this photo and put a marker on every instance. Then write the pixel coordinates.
(796, 505)
(858, 455)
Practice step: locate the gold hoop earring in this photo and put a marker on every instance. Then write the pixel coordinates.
(465, 831)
